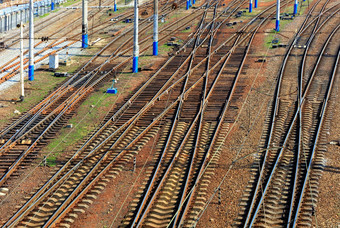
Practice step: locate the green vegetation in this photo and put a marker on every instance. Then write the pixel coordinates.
(165, 48)
(45, 15)
(87, 118)
(68, 3)
(42, 85)
(283, 23)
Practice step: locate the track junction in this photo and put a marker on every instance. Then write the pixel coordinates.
(184, 113)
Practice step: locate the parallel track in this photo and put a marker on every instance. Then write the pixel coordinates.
(281, 173)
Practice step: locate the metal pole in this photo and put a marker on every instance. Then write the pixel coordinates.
(155, 28)
(84, 36)
(255, 4)
(52, 5)
(277, 27)
(115, 6)
(31, 43)
(250, 6)
(21, 61)
(135, 41)
(295, 7)
(188, 4)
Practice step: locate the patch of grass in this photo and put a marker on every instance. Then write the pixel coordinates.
(164, 48)
(45, 15)
(68, 3)
(36, 90)
(88, 115)
(303, 6)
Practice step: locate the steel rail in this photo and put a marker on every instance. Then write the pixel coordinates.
(26, 205)
(104, 63)
(286, 139)
(276, 102)
(321, 122)
(18, 161)
(168, 168)
(98, 68)
(189, 196)
(155, 97)
(15, 70)
(80, 71)
(56, 32)
(3, 68)
(300, 81)
(218, 127)
(140, 215)
(154, 122)
(199, 128)
(165, 112)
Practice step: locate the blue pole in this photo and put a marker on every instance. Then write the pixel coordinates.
(85, 41)
(255, 4)
(135, 41)
(135, 64)
(193, 2)
(155, 48)
(295, 7)
(277, 26)
(52, 5)
(115, 7)
(188, 4)
(84, 36)
(155, 28)
(250, 6)
(31, 43)
(31, 72)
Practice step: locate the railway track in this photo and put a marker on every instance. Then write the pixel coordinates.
(69, 37)
(284, 191)
(172, 102)
(31, 130)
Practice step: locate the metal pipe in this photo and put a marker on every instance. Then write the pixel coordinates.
(155, 28)
(84, 36)
(21, 61)
(135, 41)
(250, 6)
(31, 43)
(277, 26)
